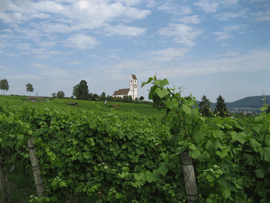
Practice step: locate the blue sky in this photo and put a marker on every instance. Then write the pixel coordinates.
(207, 47)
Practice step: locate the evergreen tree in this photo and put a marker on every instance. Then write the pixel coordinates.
(103, 96)
(204, 107)
(221, 107)
(82, 90)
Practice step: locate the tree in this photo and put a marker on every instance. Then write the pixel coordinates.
(29, 87)
(53, 95)
(141, 98)
(95, 97)
(82, 91)
(125, 99)
(75, 92)
(4, 85)
(60, 94)
(130, 100)
(268, 107)
(90, 95)
(204, 107)
(103, 96)
(221, 107)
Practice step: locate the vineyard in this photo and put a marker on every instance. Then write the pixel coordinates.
(59, 127)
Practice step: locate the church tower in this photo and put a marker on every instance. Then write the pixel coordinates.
(133, 87)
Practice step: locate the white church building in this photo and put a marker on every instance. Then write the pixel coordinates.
(131, 91)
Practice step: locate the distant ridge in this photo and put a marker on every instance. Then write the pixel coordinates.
(254, 102)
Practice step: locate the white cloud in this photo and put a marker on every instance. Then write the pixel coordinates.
(226, 16)
(231, 28)
(169, 7)
(168, 54)
(222, 35)
(6, 30)
(227, 54)
(80, 41)
(47, 44)
(12, 55)
(124, 30)
(40, 66)
(207, 6)
(151, 4)
(39, 51)
(189, 19)
(41, 15)
(135, 13)
(23, 76)
(41, 57)
(55, 73)
(183, 34)
(75, 62)
(23, 46)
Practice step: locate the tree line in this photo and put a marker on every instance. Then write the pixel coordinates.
(81, 92)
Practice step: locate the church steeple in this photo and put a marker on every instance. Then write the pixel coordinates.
(133, 87)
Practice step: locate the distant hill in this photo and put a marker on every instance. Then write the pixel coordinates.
(253, 102)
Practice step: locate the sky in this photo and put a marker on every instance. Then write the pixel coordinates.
(207, 47)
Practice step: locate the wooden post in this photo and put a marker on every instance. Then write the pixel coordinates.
(189, 177)
(3, 184)
(35, 167)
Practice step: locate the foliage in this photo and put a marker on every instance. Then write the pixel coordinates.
(29, 87)
(83, 145)
(95, 97)
(187, 122)
(204, 107)
(4, 85)
(102, 96)
(54, 95)
(75, 92)
(60, 94)
(221, 107)
(141, 98)
(81, 90)
(268, 107)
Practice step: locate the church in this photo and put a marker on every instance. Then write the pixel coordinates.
(131, 91)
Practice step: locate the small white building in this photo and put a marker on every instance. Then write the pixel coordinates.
(131, 91)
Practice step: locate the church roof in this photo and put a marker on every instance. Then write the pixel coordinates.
(121, 91)
(134, 77)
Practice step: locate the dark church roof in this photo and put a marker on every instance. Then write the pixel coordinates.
(121, 92)
(134, 77)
